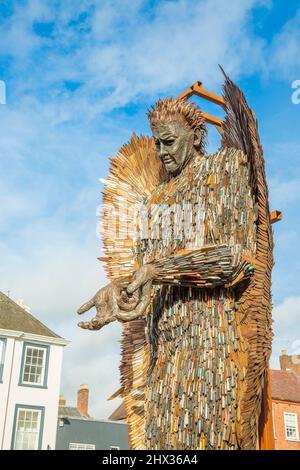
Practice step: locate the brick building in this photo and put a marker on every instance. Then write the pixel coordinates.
(285, 392)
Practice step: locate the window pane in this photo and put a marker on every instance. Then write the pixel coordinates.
(27, 429)
(81, 446)
(34, 365)
(291, 425)
(21, 414)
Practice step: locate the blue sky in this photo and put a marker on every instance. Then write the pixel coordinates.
(79, 78)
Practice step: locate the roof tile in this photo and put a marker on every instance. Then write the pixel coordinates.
(285, 386)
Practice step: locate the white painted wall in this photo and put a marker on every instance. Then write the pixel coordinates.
(11, 393)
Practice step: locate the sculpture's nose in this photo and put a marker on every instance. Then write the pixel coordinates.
(163, 150)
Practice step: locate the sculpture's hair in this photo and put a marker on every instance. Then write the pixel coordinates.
(188, 113)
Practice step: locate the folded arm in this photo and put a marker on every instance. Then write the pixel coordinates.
(209, 266)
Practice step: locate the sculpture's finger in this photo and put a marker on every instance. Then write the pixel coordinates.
(138, 280)
(127, 301)
(140, 308)
(128, 306)
(84, 325)
(94, 324)
(87, 306)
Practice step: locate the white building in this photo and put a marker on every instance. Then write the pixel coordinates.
(30, 370)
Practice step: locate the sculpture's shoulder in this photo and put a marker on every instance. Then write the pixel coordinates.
(226, 158)
(226, 161)
(224, 164)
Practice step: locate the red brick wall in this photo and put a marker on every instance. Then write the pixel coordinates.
(279, 408)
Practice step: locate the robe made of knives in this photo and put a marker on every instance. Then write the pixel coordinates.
(195, 374)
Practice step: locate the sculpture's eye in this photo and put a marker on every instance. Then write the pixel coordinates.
(157, 143)
(169, 142)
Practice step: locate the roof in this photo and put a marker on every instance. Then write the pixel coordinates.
(13, 317)
(285, 386)
(70, 412)
(119, 414)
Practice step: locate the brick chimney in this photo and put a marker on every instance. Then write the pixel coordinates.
(290, 362)
(83, 400)
(62, 400)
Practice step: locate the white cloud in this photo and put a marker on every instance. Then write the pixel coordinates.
(17, 38)
(120, 54)
(286, 328)
(180, 43)
(92, 358)
(284, 192)
(285, 55)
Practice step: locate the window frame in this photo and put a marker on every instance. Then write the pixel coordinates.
(285, 426)
(46, 348)
(81, 444)
(274, 421)
(19, 407)
(2, 357)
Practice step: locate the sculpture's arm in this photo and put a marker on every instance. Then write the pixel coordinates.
(209, 266)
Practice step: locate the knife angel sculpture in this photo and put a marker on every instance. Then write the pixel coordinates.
(188, 246)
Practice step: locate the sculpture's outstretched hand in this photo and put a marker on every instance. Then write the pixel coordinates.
(105, 302)
(113, 302)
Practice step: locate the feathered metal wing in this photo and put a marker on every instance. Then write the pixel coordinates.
(240, 130)
(134, 172)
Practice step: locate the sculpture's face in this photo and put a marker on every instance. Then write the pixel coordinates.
(174, 144)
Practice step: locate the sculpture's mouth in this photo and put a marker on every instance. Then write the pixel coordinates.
(168, 160)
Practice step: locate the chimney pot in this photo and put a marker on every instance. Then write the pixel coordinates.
(83, 400)
(62, 400)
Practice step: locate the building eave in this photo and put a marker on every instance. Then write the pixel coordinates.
(32, 337)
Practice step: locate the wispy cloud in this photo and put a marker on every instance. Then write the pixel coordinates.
(93, 358)
(285, 53)
(286, 328)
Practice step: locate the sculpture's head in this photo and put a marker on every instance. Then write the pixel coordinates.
(179, 132)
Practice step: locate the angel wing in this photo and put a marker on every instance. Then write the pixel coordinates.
(240, 130)
(134, 172)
